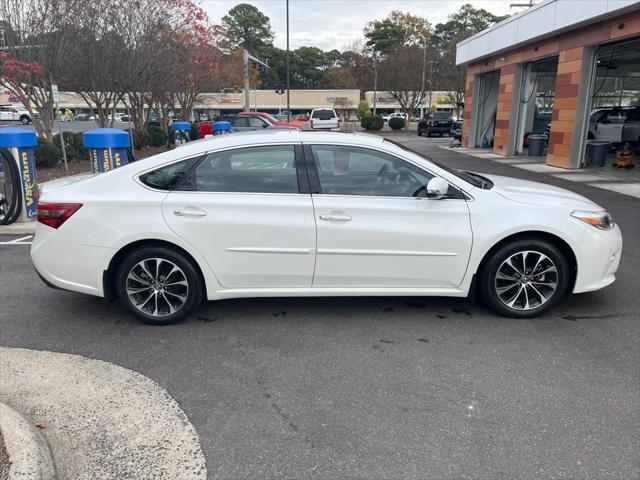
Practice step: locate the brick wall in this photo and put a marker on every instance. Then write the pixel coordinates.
(564, 107)
(505, 91)
(468, 102)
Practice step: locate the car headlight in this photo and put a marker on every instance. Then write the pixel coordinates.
(601, 219)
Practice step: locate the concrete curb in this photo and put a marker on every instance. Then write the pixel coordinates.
(102, 420)
(18, 229)
(28, 451)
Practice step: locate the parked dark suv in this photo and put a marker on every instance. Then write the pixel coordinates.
(435, 122)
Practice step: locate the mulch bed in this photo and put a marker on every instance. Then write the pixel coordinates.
(4, 460)
(77, 167)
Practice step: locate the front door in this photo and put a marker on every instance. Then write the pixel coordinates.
(244, 211)
(376, 228)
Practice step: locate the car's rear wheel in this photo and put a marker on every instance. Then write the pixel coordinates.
(524, 279)
(159, 285)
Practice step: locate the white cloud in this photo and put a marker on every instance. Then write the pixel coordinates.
(331, 24)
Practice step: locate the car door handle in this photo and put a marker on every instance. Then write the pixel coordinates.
(335, 218)
(190, 212)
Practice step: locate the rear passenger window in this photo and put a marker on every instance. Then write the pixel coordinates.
(166, 178)
(269, 169)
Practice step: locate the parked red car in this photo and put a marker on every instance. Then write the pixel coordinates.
(271, 119)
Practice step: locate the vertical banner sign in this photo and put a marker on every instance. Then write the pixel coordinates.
(106, 159)
(94, 161)
(29, 185)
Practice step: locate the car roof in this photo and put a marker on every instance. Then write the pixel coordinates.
(257, 137)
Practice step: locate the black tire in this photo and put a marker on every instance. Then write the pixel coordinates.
(25, 120)
(419, 132)
(194, 288)
(488, 283)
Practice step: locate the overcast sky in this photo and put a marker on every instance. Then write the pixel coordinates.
(329, 24)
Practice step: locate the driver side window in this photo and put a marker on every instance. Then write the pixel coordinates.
(359, 171)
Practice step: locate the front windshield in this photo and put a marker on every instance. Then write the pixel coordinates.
(469, 177)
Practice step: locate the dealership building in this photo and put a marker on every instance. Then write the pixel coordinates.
(568, 70)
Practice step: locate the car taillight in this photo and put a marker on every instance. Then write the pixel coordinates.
(55, 214)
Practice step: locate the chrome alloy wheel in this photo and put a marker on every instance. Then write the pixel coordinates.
(157, 287)
(526, 280)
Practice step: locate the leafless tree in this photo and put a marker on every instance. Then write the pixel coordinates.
(40, 39)
(401, 75)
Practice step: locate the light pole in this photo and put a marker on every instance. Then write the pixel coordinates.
(288, 83)
(375, 82)
(424, 67)
(245, 77)
(431, 82)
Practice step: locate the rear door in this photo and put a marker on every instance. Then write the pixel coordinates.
(376, 229)
(249, 213)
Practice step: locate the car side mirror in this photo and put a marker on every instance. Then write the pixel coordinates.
(437, 188)
(265, 125)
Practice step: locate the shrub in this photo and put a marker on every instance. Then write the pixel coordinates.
(47, 153)
(372, 122)
(74, 146)
(158, 135)
(363, 109)
(141, 138)
(194, 134)
(396, 123)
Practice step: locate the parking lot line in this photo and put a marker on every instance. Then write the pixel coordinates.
(19, 241)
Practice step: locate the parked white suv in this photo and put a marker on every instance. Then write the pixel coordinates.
(15, 113)
(386, 118)
(619, 126)
(324, 119)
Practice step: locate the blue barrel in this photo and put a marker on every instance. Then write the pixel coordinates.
(107, 147)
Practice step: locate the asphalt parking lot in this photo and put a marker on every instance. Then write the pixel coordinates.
(418, 388)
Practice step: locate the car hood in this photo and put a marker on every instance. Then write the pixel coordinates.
(536, 193)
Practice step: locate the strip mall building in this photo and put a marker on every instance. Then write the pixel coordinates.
(551, 69)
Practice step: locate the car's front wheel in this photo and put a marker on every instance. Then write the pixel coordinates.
(25, 120)
(524, 279)
(159, 285)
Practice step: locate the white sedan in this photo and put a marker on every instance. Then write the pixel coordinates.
(288, 213)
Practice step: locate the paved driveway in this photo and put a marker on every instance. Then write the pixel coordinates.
(379, 387)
